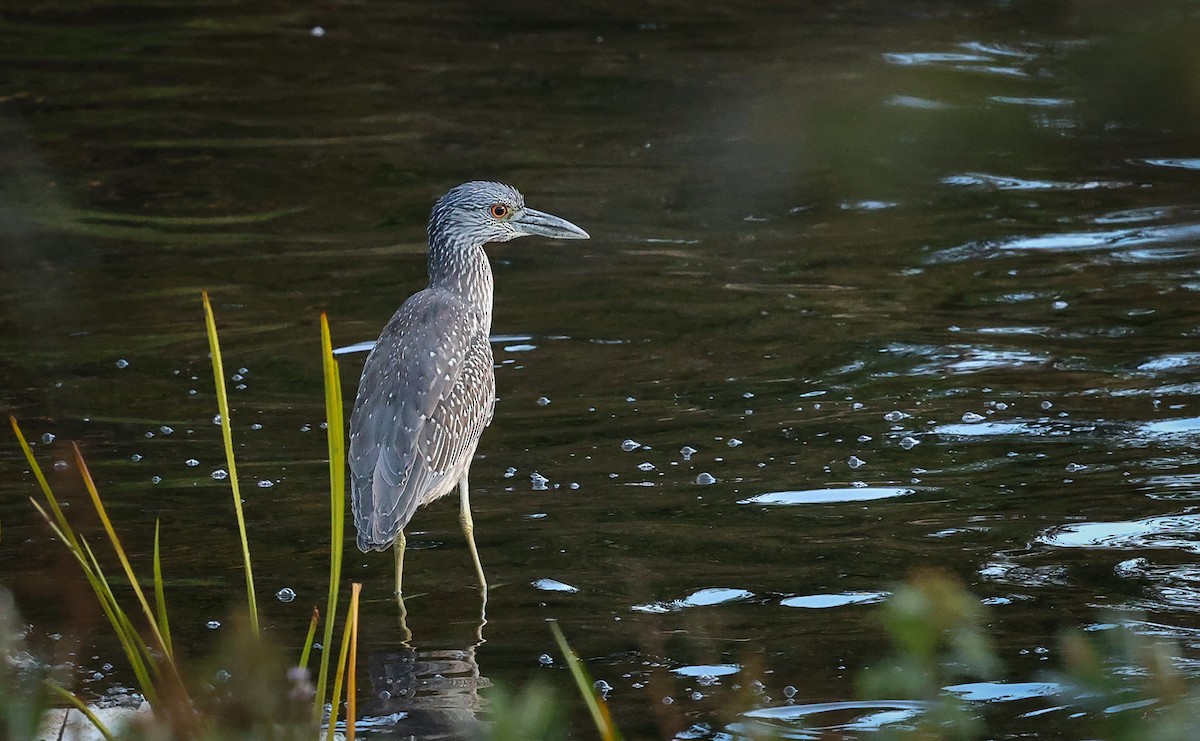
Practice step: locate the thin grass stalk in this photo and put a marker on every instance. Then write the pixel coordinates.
(90, 485)
(335, 430)
(160, 596)
(82, 707)
(214, 347)
(135, 648)
(583, 681)
(139, 655)
(343, 658)
(351, 681)
(308, 639)
(131, 643)
(72, 541)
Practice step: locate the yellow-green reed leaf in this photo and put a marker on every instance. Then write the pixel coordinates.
(343, 658)
(72, 541)
(160, 596)
(82, 707)
(352, 684)
(337, 499)
(214, 347)
(135, 648)
(583, 681)
(98, 504)
(308, 639)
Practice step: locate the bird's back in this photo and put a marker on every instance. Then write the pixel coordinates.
(426, 393)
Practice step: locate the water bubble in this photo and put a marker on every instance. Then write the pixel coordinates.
(630, 399)
(149, 435)
(646, 466)
(48, 438)
(305, 428)
(1059, 305)
(1001, 406)
(192, 462)
(317, 32)
(1075, 467)
(864, 438)
(895, 416)
(135, 457)
(855, 462)
(574, 485)
(266, 484)
(733, 442)
(106, 667)
(243, 371)
(165, 430)
(222, 675)
(539, 481)
(256, 426)
(542, 401)
(972, 417)
(220, 474)
(545, 660)
(1047, 404)
(61, 465)
(510, 472)
(687, 451)
(213, 624)
(602, 687)
(789, 692)
(122, 363)
(748, 395)
(156, 479)
(287, 594)
(908, 442)
(705, 478)
(629, 445)
(668, 700)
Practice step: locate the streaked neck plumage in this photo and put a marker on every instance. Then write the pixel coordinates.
(461, 266)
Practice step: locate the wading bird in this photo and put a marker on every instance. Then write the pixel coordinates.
(428, 389)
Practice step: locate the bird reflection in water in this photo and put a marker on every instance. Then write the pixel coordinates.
(430, 694)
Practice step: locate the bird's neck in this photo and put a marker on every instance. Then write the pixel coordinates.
(462, 268)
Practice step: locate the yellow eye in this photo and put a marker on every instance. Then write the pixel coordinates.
(499, 211)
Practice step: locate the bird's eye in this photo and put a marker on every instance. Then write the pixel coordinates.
(499, 211)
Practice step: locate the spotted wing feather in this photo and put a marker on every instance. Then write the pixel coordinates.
(426, 393)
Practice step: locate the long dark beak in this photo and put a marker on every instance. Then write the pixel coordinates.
(541, 224)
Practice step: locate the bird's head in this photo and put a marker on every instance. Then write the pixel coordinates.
(479, 212)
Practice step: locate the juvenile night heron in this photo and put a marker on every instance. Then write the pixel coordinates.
(428, 389)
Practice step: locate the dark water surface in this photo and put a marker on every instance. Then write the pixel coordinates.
(914, 285)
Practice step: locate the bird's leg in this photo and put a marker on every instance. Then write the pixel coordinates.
(398, 549)
(464, 516)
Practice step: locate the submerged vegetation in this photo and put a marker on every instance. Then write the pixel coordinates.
(1128, 685)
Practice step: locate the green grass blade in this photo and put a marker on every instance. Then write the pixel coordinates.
(308, 639)
(160, 597)
(351, 681)
(82, 707)
(335, 427)
(349, 636)
(98, 504)
(583, 681)
(64, 528)
(135, 648)
(214, 347)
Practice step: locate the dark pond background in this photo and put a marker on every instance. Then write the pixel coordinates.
(916, 282)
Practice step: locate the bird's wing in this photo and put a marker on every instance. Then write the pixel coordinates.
(425, 395)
